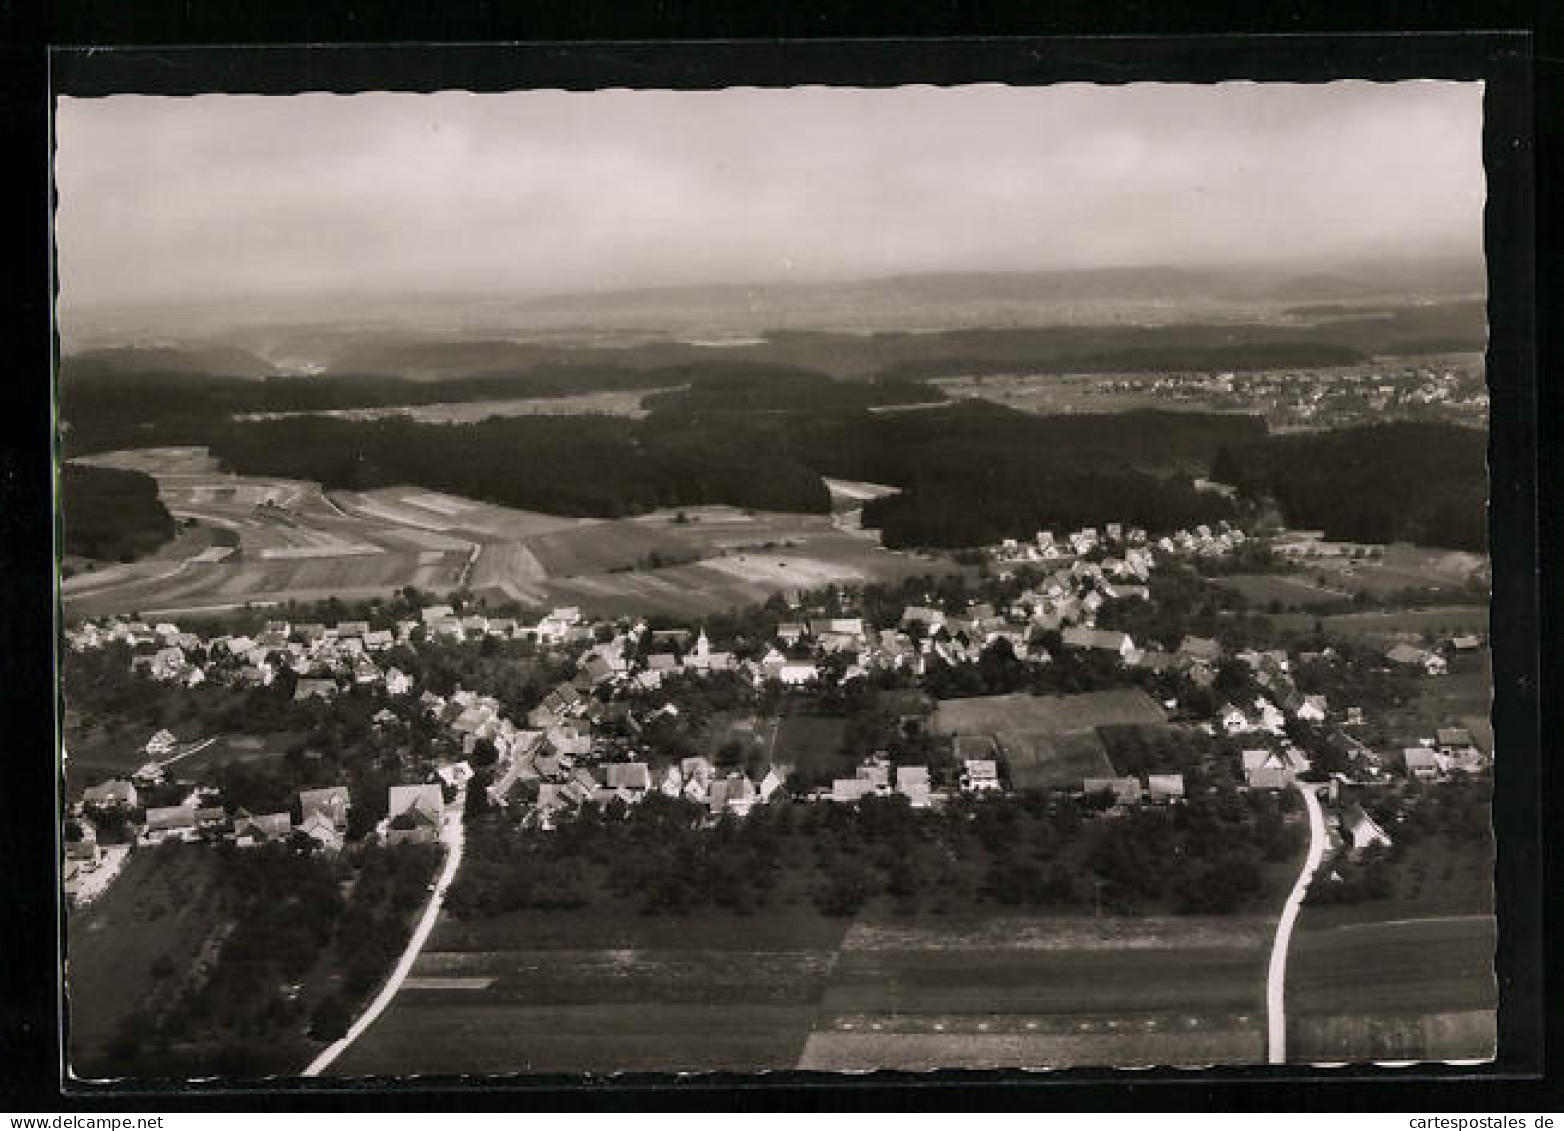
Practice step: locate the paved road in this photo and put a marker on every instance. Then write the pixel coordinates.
(451, 834)
(1276, 976)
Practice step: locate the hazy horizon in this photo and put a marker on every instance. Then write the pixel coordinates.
(222, 199)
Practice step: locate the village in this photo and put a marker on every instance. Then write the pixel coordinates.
(1341, 396)
(590, 740)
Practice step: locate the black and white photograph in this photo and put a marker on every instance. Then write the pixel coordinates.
(811, 578)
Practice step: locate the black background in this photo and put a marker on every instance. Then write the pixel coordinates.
(1521, 131)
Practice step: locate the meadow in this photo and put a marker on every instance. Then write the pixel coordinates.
(589, 992)
(1393, 988)
(286, 540)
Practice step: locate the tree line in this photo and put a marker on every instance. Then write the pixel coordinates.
(111, 514)
(1409, 481)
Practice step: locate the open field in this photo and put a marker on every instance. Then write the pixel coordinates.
(1040, 759)
(1393, 989)
(626, 402)
(586, 991)
(813, 743)
(1287, 589)
(1402, 566)
(290, 541)
(989, 714)
(1046, 741)
(1392, 624)
(160, 906)
(1461, 699)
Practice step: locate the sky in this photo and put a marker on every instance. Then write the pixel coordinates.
(229, 197)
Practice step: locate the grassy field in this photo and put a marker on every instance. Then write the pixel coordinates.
(813, 744)
(160, 906)
(1040, 759)
(608, 403)
(605, 547)
(989, 714)
(586, 991)
(1048, 741)
(1393, 989)
(1460, 699)
(1289, 590)
(579, 992)
(1408, 977)
(1041, 994)
(292, 542)
(1390, 625)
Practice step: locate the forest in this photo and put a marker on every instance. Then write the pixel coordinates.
(111, 515)
(971, 473)
(1405, 482)
(1210, 856)
(600, 467)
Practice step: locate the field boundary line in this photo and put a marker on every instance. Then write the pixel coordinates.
(196, 749)
(415, 945)
(1276, 973)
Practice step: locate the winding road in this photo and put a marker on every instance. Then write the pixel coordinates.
(452, 834)
(1276, 975)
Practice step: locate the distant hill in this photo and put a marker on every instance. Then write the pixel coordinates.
(208, 360)
(315, 326)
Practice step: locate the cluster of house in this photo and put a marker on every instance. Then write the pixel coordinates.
(695, 779)
(415, 814)
(1338, 395)
(1451, 751)
(1203, 541)
(202, 816)
(876, 776)
(324, 657)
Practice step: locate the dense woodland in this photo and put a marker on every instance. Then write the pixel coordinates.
(112, 514)
(762, 434)
(603, 467)
(1210, 856)
(1405, 482)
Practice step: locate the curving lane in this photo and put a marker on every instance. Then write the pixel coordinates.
(452, 835)
(1276, 975)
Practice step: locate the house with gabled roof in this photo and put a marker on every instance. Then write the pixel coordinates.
(1125, 790)
(425, 796)
(251, 831)
(979, 775)
(332, 803)
(912, 782)
(320, 829)
(1405, 654)
(314, 688)
(1266, 769)
(1359, 831)
(1422, 763)
(114, 794)
(1098, 640)
(634, 776)
(414, 825)
(1201, 649)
